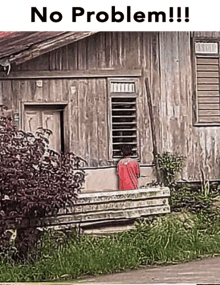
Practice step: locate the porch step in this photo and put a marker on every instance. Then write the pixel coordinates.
(107, 209)
(100, 209)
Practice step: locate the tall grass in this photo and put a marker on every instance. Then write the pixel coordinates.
(168, 239)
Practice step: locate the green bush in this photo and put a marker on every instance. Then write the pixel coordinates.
(170, 165)
(184, 198)
(35, 181)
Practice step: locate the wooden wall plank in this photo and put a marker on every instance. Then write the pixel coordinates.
(92, 123)
(102, 119)
(144, 128)
(83, 95)
(6, 90)
(166, 53)
(175, 80)
(82, 55)
(92, 53)
(73, 109)
(101, 51)
(72, 50)
(56, 60)
(185, 117)
(39, 63)
(108, 49)
(15, 89)
(155, 79)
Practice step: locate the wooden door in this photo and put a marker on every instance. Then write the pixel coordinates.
(49, 118)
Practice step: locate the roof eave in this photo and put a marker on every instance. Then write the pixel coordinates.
(46, 46)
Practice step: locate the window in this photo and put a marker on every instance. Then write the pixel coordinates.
(207, 82)
(123, 116)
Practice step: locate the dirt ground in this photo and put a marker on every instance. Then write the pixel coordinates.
(200, 271)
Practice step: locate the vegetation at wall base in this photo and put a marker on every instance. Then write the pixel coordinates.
(35, 182)
(170, 165)
(191, 199)
(167, 239)
(190, 232)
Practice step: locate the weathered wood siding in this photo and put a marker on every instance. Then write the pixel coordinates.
(86, 113)
(199, 144)
(163, 57)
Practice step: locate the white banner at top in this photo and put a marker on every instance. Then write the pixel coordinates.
(96, 15)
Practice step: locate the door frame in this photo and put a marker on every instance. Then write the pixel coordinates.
(64, 105)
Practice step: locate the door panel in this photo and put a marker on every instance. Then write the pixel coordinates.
(51, 120)
(36, 116)
(32, 120)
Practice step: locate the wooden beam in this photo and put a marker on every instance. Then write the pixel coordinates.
(52, 103)
(71, 74)
(153, 129)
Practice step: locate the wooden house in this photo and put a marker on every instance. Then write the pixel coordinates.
(89, 89)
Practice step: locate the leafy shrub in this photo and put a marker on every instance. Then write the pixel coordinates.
(170, 166)
(193, 199)
(35, 181)
(190, 200)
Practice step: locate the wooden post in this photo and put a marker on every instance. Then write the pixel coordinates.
(153, 130)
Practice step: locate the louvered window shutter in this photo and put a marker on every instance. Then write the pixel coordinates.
(123, 116)
(207, 82)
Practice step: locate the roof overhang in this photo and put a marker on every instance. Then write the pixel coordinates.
(18, 47)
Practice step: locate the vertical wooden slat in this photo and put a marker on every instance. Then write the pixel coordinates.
(102, 119)
(15, 88)
(115, 50)
(145, 137)
(156, 84)
(153, 129)
(73, 106)
(55, 90)
(56, 60)
(101, 59)
(108, 49)
(165, 47)
(92, 53)
(82, 95)
(1, 93)
(82, 56)
(65, 58)
(185, 93)
(6, 96)
(46, 89)
(73, 56)
(39, 63)
(92, 122)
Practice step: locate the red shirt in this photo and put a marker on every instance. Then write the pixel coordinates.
(129, 172)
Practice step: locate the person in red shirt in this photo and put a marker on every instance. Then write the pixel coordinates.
(128, 170)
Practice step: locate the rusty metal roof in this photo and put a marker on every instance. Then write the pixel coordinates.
(18, 47)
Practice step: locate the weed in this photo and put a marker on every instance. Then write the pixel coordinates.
(167, 239)
(170, 166)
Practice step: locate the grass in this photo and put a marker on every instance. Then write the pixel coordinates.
(168, 239)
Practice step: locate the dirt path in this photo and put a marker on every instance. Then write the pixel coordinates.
(201, 271)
